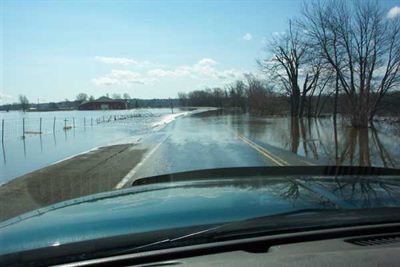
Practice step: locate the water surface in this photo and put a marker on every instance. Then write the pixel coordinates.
(85, 130)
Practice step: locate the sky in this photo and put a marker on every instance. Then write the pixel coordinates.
(53, 50)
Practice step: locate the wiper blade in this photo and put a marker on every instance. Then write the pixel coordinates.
(215, 231)
(306, 219)
(168, 240)
(298, 220)
(229, 173)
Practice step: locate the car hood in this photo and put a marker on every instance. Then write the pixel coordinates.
(175, 204)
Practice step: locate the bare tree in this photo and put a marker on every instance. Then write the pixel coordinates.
(183, 99)
(259, 94)
(82, 97)
(289, 64)
(24, 102)
(362, 46)
(126, 96)
(237, 94)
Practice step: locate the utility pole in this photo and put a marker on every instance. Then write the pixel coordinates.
(171, 105)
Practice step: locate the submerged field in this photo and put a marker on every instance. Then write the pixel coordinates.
(84, 131)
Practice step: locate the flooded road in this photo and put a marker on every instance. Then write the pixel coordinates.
(212, 139)
(216, 139)
(320, 140)
(180, 142)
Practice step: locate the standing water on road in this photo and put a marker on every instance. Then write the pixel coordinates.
(67, 133)
(319, 139)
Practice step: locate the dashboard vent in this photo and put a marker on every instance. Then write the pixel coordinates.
(375, 240)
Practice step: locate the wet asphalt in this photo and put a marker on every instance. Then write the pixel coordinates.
(206, 142)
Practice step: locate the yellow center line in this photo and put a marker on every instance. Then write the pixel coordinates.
(278, 161)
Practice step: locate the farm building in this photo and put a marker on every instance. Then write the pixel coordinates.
(103, 103)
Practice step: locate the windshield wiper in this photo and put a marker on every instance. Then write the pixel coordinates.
(162, 242)
(306, 220)
(236, 172)
(294, 221)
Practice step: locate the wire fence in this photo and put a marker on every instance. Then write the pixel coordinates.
(31, 126)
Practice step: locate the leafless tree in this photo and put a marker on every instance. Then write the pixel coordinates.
(237, 94)
(292, 64)
(126, 96)
(362, 46)
(82, 97)
(259, 95)
(24, 102)
(183, 99)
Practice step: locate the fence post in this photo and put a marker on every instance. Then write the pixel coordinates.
(65, 124)
(23, 127)
(91, 121)
(84, 121)
(2, 130)
(73, 122)
(40, 126)
(54, 125)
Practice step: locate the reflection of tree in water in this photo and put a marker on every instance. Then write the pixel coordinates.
(353, 146)
(359, 146)
(302, 130)
(294, 134)
(383, 153)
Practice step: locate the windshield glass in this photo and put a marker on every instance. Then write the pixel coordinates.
(96, 95)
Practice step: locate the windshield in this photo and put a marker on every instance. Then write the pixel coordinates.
(97, 96)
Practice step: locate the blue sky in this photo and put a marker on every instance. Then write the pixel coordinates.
(53, 50)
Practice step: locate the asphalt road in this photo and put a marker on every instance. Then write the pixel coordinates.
(204, 142)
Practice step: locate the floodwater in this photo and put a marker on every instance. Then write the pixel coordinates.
(320, 140)
(85, 130)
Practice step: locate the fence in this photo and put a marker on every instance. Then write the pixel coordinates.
(23, 127)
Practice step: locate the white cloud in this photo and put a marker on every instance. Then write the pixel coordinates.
(207, 61)
(202, 67)
(394, 12)
(116, 60)
(247, 37)
(178, 72)
(203, 70)
(126, 61)
(121, 78)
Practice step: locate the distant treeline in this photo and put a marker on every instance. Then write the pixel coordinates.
(259, 97)
(73, 105)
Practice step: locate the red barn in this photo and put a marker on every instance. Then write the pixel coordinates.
(103, 103)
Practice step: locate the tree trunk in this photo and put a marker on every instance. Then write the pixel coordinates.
(360, 118)
(295, 102)
(294, 134)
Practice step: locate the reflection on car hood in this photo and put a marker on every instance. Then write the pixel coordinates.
(187, 203)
